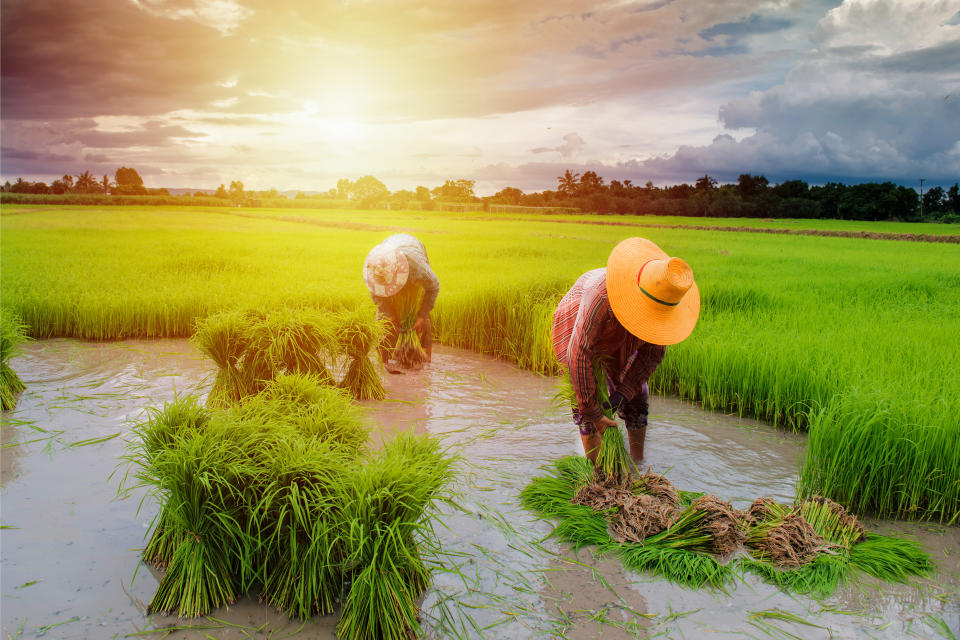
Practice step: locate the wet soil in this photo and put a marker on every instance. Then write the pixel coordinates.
(69, 549)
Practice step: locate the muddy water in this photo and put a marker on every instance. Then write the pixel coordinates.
(70, 547)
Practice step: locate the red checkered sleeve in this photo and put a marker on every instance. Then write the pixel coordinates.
(576, 324)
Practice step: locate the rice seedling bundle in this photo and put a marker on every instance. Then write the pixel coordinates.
(683, 535)
(384, 518)
(279, 494)
(12, 335)
(251, 348)
(408, 352)
(359, 333)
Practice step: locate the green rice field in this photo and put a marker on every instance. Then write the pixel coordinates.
(854, 340)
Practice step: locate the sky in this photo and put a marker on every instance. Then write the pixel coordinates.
(295, 94)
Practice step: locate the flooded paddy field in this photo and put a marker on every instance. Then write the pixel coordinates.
(70, 547)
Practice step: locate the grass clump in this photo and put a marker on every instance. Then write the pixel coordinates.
(279, 495)
(13, 333)
(408, 351)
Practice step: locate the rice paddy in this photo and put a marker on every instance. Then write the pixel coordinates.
(851, 340)
(500, 579)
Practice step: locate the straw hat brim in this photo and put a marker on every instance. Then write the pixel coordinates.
(647, 319)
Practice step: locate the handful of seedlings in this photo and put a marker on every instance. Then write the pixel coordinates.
(279, 496)
(408, 352)
(13, 332)
(251, 348)
(811, 547)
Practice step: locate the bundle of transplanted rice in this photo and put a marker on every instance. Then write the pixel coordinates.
(642, 520)
(359, 333)
(251, 348)
(279, 496)
(612, 458)
(386, 526)
(683, 536)
(408, 351)
(13, 332)
(815, 546)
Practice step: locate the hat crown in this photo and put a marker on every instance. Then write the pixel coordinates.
(665, 280)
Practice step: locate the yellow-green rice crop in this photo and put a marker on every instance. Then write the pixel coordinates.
(12, 334)
(851, 339)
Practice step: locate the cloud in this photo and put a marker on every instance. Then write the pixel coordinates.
(568, 150)
(869, 103)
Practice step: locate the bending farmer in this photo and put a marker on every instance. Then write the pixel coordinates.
(623, 316)
(399, 265)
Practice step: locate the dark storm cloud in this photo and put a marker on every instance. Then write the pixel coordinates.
(752, 24)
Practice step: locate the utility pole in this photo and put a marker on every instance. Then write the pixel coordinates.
(921, 199)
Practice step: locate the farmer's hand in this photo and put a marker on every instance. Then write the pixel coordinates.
(613, 405)
(603, 422)
(418, 324)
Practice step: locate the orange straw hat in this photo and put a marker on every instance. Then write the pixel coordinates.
(385, 271)
(652, 295)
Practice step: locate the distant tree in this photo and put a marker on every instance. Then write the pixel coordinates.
(705, 184)
(344, 188)
(105, 185)
(221, 192)
(86, 183)
(60, 185)
(235, 192)
(368, 191)
(568, 183)
(792, 189)
(750, 186)
(726, 206)
(455, 191)
(508, 195)
(128, 176)
(953, 199)
(934, 202)
(590, 184)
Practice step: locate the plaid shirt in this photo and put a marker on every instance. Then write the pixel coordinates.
(585, 328)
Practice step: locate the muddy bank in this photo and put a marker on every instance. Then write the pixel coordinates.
(71, 550)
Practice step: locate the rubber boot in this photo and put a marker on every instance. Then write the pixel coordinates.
(636, 437)
(591, 445)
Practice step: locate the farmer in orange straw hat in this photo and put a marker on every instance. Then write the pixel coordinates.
(624, 315)
(397, 262)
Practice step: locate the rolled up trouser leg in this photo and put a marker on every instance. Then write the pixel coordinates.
(634, 413)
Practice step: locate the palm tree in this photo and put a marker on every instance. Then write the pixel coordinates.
(568, 183)
(86, 183)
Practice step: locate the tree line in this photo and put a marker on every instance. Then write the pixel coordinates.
(752, 196)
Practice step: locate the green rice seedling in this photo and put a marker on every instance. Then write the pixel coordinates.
(890, 558)
(689, 568)
(199, 481)
(225, 339)
(13, 332)
(303, 402)
(819, 578)
(288, 340)
(359, 333)
(299, 524)
(613, 459)
(577, 470)
(389, 496)
(831, 521)
(408, 352)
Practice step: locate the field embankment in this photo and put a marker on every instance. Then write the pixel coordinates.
(852, 339)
